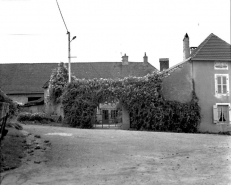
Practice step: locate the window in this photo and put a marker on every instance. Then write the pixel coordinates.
(221, 84)
(221, 65)
(222, 113)
(114, 114)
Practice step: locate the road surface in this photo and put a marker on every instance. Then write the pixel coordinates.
(81, 156)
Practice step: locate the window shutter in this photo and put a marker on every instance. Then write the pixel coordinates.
(216, 89)
(229, 114)
(215, 114)
(227, 81)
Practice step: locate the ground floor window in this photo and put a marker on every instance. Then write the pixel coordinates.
(222, 113)
(114, 114)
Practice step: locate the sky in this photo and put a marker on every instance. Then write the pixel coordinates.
(32, 31)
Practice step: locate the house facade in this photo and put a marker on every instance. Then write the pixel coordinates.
(207, 70)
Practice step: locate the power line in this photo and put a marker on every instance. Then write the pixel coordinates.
(61, 15)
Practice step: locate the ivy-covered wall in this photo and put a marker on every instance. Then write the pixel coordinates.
(142, 97)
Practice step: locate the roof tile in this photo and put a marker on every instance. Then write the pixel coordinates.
(212, 48)
(30, 78)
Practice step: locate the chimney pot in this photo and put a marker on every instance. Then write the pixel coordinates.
(164, 63)
(145, 58)
(125, 59)
(186, 49)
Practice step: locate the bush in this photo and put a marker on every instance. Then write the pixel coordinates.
(40, 117)
(24, 116)
(13, 108)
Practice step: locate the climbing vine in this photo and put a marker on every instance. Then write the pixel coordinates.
(140, 95)
(57, 82)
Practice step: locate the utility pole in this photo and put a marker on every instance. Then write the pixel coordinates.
(69, 45)
(69, 57)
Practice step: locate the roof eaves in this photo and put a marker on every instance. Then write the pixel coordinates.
(23, 93)
(40, 101)
(45, 86)
(209, 59)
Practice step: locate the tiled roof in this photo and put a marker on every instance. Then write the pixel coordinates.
(212, 48)
(29, 78)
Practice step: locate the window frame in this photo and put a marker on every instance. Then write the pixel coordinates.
(216, 84)
(221, 63)
(114, 114)
(215, 113)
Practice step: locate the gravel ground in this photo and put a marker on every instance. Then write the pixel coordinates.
(80, 156)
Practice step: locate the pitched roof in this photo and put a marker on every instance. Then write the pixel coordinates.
(212, 48)
(20, 78)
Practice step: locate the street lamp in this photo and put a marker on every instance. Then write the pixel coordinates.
(69, 55)
(69, 44)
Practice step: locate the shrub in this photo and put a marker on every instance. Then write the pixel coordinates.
(40, 117)
(24, 116)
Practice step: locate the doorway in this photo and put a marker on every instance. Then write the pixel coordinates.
(105, 117)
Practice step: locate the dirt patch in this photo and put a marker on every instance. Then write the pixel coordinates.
(12, 149)
(35, 149)
(20, 147)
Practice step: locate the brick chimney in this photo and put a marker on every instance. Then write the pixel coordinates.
(186, 49)
(192, 50)
(125, 59)
(145, 58)
(164, 63)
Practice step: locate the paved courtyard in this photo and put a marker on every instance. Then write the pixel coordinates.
(102, 156)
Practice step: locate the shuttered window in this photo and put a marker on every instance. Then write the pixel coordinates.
(222, 113)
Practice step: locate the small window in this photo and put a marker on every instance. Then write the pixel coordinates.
(222, 113)
(221, 65)
(221, 84)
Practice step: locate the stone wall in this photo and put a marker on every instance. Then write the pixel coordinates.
(178, 86)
